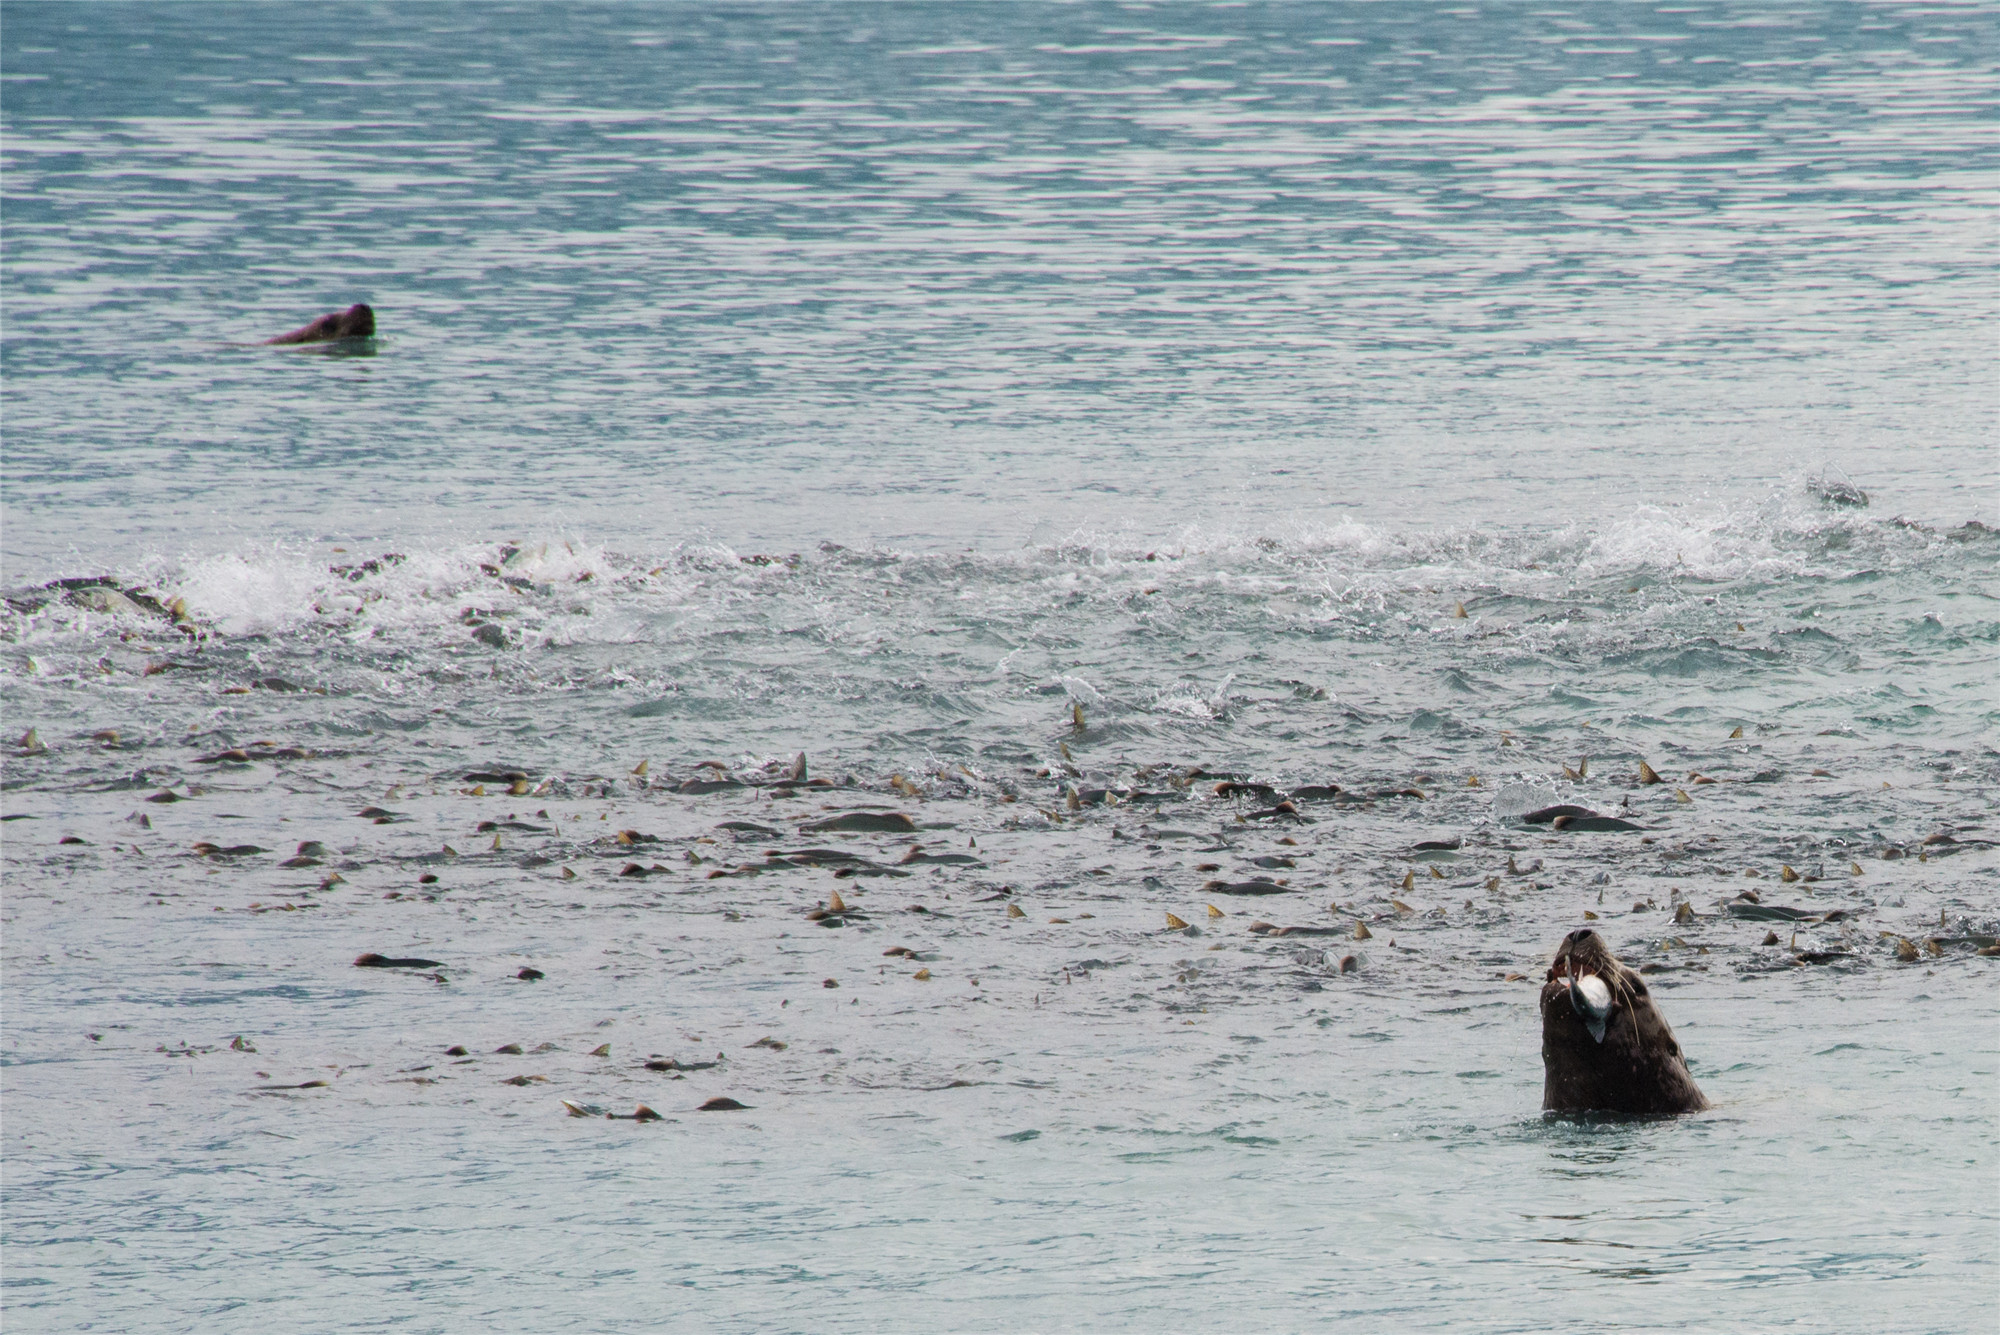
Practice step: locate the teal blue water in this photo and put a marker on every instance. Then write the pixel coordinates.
(866, 273)
(998, 406)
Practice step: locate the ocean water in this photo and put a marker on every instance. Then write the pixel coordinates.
(1071, 429)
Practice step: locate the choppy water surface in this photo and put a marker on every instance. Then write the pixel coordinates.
(1072, 432)
(860, 273)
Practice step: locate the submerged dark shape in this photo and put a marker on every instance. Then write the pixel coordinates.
(1605, 1045)
(917, 855)
(876, 822)
(1263, 792)
(1259, 886)
(1272, 929)
(1568, 816)
(373, 961)
(99, 593)
(357, 321)
(1594, 824)
(1544, 815)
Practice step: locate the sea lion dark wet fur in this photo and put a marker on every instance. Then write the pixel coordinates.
(357, 321)
(1605, 1045)
(374, 961)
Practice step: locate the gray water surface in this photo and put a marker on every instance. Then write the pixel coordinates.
(860, 273)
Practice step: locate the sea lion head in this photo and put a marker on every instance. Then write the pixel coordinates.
(357, 321)
(1605, 1045)
(1585, 974)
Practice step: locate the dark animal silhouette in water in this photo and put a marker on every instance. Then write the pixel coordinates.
(373, 961)
(1605, 1045)
(357, 321)
(1568, 816)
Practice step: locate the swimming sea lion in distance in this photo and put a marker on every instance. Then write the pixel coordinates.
(374, 961)
(1605, 1045)
(357, 321)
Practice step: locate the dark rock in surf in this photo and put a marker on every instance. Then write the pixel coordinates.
(1605, 1045)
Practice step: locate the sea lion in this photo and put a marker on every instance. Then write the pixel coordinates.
(357, 321)
(374, 961)
(1605, 1045)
